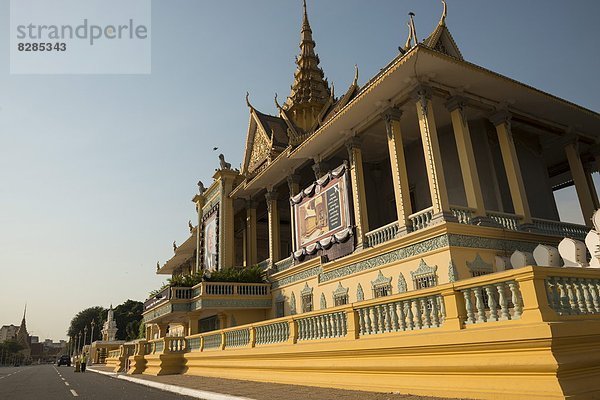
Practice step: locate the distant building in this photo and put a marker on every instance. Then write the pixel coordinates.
(8, 332)
(35, 339)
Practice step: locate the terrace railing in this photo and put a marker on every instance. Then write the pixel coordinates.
(382, 235)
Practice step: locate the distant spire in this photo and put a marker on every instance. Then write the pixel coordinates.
(22, 334)
(310, 90)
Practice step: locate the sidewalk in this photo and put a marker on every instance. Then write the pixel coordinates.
(198, 386)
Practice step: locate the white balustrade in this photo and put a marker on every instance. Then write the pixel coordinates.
(421, 219)
(402, 315)
(176, 344)
(272, 333)
(212, 341)
(322, 326)
(463, 214)
(234, 289)
(573, 296)
(507, 221)
(382, 235)
(237, 338)
(558, 228)
(493, 302)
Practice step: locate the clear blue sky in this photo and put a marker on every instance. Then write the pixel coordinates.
(97, 172)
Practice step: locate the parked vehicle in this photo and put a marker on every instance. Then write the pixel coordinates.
(63, 360)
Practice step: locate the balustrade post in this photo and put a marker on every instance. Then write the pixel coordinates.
(293, 331)
(166, 345)
(252, 341)
(352, 324)
(141, 350)
(532, 290)
(454, 306)
(222, 347)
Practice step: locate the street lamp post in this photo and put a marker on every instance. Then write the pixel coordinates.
(77, 348)
(92, 340)
(84, 338)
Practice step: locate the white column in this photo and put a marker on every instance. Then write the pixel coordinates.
(274, 237)
(466, 155)
(398, 166)
(433, 155)
(578, 173)
(502, 123)
(359, 197)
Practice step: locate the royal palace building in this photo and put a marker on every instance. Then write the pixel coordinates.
(407, 235)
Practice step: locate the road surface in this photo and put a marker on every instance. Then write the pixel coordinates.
(49, 382)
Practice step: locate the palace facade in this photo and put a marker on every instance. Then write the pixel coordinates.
(407, 234)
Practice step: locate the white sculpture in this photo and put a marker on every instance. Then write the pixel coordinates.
(592, 241)
(109, 330)
(546, 256)
(502, 263)
(573, 253)
(520, 259)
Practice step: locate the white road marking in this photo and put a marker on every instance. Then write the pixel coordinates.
(6, 376)
(67, 383)
(62, 378)
(74, 393)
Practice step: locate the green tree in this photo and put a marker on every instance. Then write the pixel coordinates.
(84, 319)
(128, 316)
(9, 352)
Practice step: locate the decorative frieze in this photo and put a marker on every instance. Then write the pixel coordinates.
(413, 250)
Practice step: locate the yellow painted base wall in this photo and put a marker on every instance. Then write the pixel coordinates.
(511, 361)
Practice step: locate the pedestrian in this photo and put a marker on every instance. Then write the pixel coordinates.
(83, 361)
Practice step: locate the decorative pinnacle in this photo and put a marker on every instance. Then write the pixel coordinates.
(413, 30)
(305, 23)
(444, 13)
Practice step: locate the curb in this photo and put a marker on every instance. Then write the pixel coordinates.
(198, 394)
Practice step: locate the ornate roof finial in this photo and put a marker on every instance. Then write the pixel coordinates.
(201, 188)
(277, 103)
(248, 100)
(305, 23)
(444, 13)
(157, 265)
(25, 312)
(355, 81)
(174, 246)
(413, 29)
(190, 226)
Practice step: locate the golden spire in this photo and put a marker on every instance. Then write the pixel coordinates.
(310, 90)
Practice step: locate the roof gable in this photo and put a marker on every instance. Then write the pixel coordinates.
(441, 40)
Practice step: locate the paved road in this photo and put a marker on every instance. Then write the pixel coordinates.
(48, 382)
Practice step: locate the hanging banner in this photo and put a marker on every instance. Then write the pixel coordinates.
(210, 235)
(322, 213)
